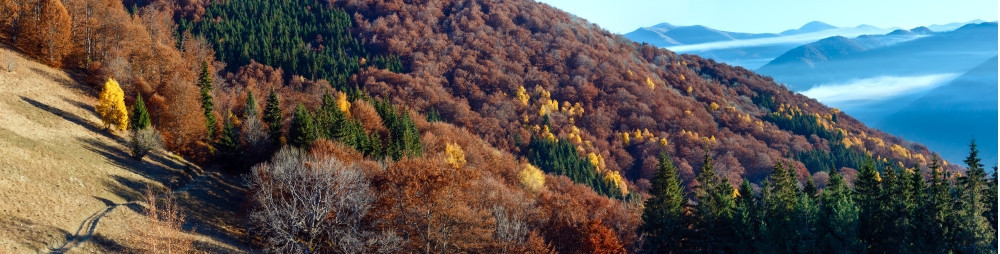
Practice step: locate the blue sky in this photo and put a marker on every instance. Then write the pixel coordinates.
(622, 16)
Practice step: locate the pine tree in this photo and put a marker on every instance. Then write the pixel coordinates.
(975, 234)
(302, 132)
(273, 116)
(938, 211)
(140, 117)
(228, 146)
(918, 237)
(872, 208)
(330, 119)
(746, 219)
(782, 204)
(713, 213)
(991, 213)
(662, 212)
(205, 83)
(837, 230)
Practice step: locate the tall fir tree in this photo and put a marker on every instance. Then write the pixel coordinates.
(747, 220)
(872, 208)
(937, 208)
(273, 117)
(713, 212)
(991, 204)
(975, 234)
(917, 236)
(661, 215)
(228, 147)
(781, 200)
(302, 131)
(140, 116)
(205, 84)
(837, 230)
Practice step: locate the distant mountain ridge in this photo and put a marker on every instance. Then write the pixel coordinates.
(964, 108)
(901, 52)
(810, 27)
(665, 34)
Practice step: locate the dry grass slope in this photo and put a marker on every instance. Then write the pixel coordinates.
(66, 185)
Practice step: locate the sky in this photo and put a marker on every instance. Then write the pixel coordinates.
(772, 16)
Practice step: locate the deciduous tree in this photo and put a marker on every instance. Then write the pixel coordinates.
(111, 106)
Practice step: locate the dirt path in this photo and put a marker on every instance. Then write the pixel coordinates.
(89, 226)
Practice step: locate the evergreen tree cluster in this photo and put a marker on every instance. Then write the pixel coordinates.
(839, 156)
(799, 123)
(404, 139)
(330, 122)
(894, 210)
(304, 37)
(560, 157)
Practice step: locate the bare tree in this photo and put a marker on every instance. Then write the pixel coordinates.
(308, 206)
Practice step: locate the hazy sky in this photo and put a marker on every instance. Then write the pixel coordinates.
(622, 16)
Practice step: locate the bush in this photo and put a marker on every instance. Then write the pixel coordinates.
(161, 232)
(143, 141)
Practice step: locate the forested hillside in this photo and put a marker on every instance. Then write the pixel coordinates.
(493, 126)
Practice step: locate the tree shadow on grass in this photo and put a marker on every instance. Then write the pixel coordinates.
(82, 106)
(72, 118)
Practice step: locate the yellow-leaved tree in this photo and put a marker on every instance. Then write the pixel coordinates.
(531, 178)
(111, 106)
(454, 155)
(343, 104)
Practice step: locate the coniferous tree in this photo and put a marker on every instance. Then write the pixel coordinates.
(302, 132)
(837, 228)
(228, 146)
(662, 212)
(140, 116)
(330, 119)
(872, 208)
(899, 201)
(205, 84)
(918, 236)
(975, 233)
(747, 219)
(273, 116)
(938, 211)
(713, 212)
(991, 203)
(781, 199)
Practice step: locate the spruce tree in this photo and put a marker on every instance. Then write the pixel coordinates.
(781, 200)
(273, 116)
(228, 146)
(746, 219)
(937, 208)
(302, 132)
(713, 213)
(872, 208)
(975, 235)
(139, 117)
(250, 109)
(205, 83)
(661, 214)
(918, 237)
(837, 230)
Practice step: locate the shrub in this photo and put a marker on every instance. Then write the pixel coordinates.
(142, 141)
(162, 232)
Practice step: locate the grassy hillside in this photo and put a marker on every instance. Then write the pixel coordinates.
(66, 185)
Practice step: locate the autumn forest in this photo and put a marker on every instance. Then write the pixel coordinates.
(469, 126)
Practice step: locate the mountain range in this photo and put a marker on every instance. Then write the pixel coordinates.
(878, 75)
